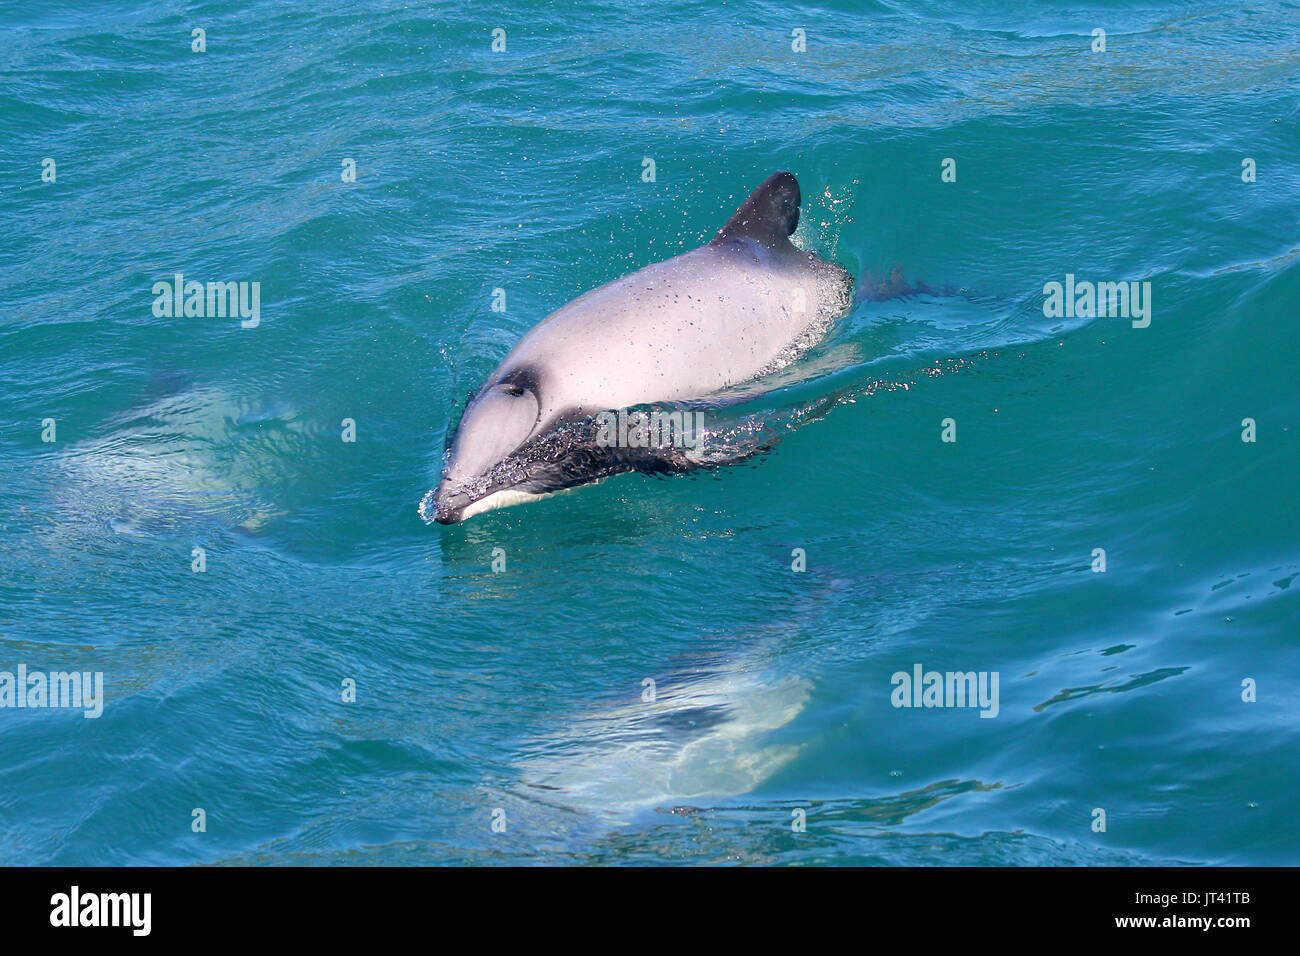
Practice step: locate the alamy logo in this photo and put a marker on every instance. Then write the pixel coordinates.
(653, 429)
(103, 909)
(213, 300)
(923, 688)
(1086, 300)
(75, 689)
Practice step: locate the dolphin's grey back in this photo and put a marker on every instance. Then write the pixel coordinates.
(686, 328)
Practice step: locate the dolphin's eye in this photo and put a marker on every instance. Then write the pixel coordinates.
(513, 390)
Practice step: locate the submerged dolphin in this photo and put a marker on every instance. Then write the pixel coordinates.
(673, 332)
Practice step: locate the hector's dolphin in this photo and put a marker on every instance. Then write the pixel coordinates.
(673, 332)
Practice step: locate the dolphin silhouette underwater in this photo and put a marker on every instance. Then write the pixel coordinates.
(674, 332)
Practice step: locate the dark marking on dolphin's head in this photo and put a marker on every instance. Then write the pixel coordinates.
(505, 451)
(507, 448)
(497, 421)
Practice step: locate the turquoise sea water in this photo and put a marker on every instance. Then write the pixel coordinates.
(517, 696)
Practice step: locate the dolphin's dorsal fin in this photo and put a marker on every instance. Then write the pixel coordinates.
(770, 214)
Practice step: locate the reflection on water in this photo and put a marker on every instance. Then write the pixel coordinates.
(703, 738)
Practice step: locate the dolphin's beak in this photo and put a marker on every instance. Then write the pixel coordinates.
(446, 504)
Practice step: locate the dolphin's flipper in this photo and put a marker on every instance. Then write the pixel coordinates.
(770, 214)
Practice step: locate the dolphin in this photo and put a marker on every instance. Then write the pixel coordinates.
(674, 332)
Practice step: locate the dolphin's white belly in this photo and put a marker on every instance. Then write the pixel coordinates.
(677, 330)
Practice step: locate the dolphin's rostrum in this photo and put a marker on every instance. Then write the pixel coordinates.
(674, 332)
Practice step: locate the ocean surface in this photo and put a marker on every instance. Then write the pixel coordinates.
(506, 716)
